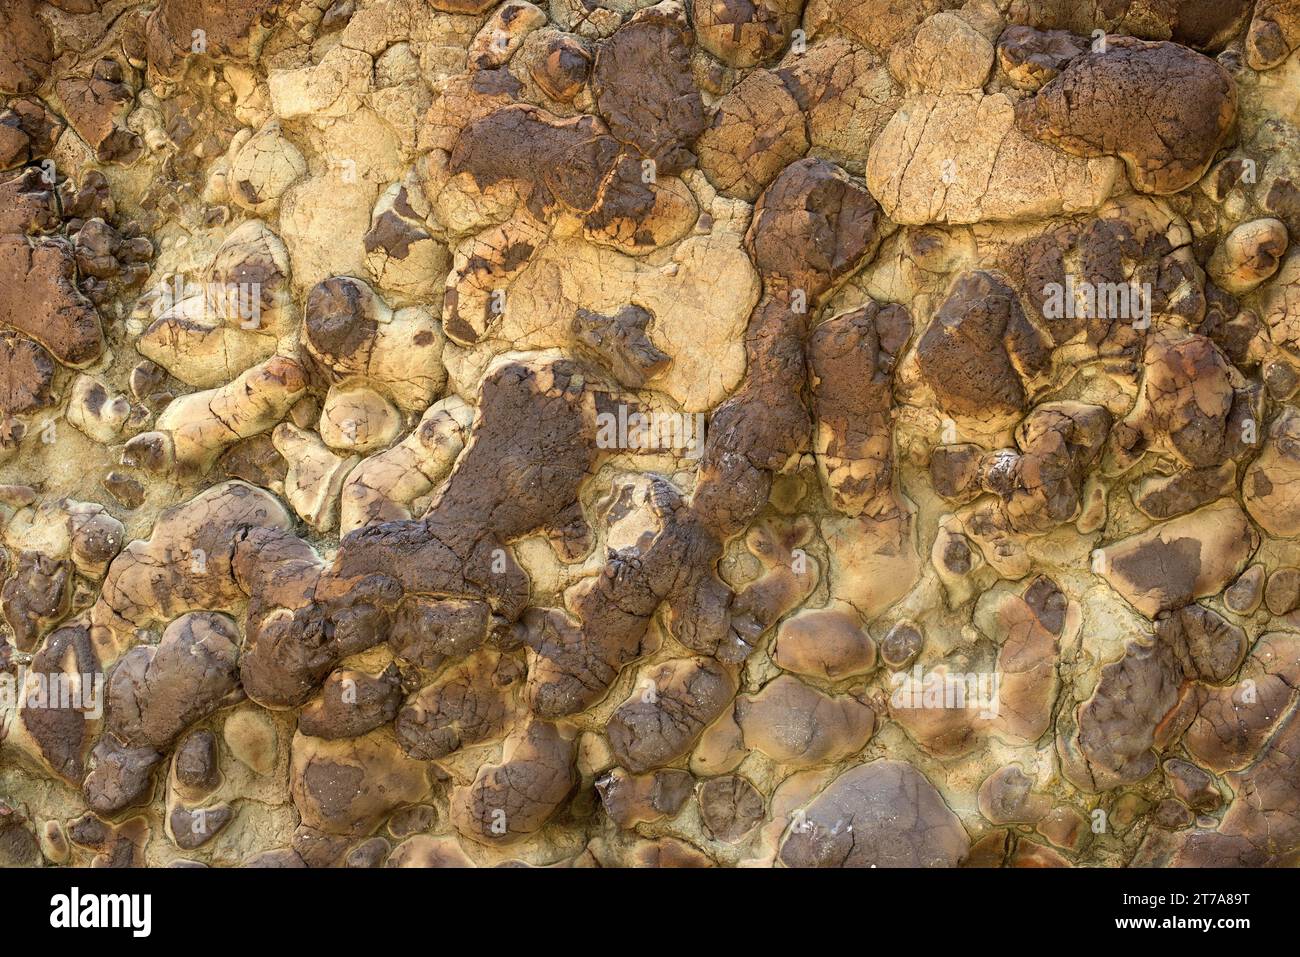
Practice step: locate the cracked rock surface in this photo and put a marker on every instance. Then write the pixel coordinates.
(743, 433)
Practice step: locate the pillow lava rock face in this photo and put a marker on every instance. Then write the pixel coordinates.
(789, 433)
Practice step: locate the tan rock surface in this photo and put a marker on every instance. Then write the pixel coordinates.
(744, 433)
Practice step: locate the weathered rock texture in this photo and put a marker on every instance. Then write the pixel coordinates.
(826, 434)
